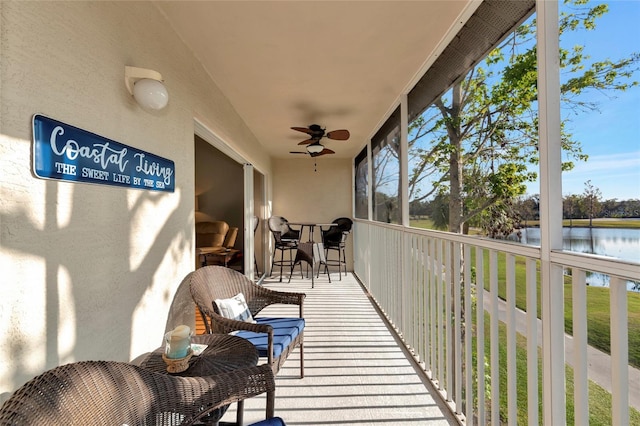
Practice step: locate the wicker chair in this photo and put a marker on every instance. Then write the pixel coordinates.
(274, 338)
(116, 393)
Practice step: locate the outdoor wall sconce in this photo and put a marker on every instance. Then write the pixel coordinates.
(146, 87)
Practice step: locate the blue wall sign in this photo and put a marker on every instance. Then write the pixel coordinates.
(65, 152)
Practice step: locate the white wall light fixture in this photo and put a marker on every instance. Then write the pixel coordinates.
(146, 87)
(315, 148)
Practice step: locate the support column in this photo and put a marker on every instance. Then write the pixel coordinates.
(552, 292)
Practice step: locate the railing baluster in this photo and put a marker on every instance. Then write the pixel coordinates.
(457, 327)
(619, 352)
(580, 372)
(494, 338)
(512, 391)
(468, 335)
(433, 311)
(424, 304)
(480, 335)
(447, 288)
(441, 343)
(419, 288)
(532, 342)
(418, 296)
(408, 288)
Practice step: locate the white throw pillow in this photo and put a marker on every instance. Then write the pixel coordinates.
(235, 308)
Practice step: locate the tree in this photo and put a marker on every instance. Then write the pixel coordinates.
(385, 182)
(592, 197)
(476, 141)
(529, 208)
(570, 207)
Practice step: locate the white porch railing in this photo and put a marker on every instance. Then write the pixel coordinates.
(424, 282)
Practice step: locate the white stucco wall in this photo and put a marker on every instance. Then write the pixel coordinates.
(89, 271)
(308, 193)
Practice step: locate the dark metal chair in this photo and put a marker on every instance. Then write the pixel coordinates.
(335, 238)
(286, 239)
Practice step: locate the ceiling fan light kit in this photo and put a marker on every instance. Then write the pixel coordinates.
(315, 148)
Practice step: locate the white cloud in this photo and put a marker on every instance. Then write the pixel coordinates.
(608, 163)
(616, 175)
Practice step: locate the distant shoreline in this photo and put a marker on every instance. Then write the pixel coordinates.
(629, 223)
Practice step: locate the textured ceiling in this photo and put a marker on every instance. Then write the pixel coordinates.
(339, 64)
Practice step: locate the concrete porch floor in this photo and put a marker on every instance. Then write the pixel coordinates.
(355, 371)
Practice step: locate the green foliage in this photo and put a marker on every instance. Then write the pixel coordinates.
(440, 212)
(475, 142)
(499, 220)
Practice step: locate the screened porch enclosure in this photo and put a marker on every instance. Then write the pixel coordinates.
(486, 318)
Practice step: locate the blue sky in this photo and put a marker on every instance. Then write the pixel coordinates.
(611, 136)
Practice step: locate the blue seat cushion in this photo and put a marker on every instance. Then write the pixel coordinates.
(275, 421)
(285, 330)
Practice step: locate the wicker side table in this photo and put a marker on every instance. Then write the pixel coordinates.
(223, 353)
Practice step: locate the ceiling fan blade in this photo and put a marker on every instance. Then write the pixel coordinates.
(323, 152)
(339, 135)
(308, 141)
(303, 130)
(298, 152)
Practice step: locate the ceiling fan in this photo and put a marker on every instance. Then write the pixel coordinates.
(315, 132)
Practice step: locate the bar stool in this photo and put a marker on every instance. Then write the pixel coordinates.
(335, 238)
(255, 222)
(285, 239)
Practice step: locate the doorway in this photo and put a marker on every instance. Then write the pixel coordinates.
(230, 190)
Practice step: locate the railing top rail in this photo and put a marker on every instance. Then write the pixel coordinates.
(483, 242)
(593, 263)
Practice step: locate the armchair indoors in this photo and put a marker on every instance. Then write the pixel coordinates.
(117, 393)
(214, 237)
(229, 302)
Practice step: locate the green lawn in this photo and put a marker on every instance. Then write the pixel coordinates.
(598, 320)
(599, 398)
(598, 326)
(422, 223)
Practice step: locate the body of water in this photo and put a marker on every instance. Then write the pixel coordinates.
(620, 243)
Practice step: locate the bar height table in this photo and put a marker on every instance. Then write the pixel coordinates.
(311, 252)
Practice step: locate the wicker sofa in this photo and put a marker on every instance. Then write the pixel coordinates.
(274, 338)
(116, 393)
